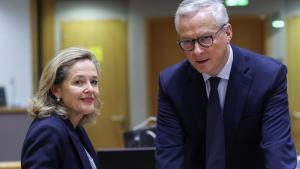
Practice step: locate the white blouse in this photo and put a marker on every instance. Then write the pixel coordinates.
(91, 160)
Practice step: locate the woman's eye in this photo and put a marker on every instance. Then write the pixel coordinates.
(94, 82)
(77, 82)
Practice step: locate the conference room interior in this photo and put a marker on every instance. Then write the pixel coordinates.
(133, 40)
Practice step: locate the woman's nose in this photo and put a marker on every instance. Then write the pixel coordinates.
(88, 87)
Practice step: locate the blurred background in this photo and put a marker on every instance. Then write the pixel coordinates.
(133, 40)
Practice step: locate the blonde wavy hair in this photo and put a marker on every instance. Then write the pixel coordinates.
(44, 103)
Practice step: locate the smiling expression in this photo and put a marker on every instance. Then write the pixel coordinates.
(209, 60)
(79, 90)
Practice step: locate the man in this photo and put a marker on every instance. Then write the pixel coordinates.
(224, 107)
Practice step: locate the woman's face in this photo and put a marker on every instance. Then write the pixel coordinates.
(79, 90)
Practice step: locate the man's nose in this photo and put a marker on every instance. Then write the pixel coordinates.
(198, 48)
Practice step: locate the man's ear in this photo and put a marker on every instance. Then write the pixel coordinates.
(228, 32)
(55, 91)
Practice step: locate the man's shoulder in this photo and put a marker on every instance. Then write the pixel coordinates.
(179, 69)
(255, 60)
(175, 76)
(184, 63)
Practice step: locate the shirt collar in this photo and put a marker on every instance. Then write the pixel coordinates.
(225, 72)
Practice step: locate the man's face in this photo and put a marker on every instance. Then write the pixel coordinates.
(209, 60)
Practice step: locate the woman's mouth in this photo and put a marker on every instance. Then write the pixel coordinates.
(87, 99)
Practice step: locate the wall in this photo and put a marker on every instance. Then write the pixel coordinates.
(276, 38)
(292, 8)
(15, 47)
(87, 9)
(139, 10)
(293, 35)
(13, 128)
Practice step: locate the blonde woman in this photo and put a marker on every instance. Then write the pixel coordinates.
(66, 99)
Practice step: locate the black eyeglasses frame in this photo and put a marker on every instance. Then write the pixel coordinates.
(200, 40)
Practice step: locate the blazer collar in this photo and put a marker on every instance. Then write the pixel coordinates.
(88, 145)
(79, 144)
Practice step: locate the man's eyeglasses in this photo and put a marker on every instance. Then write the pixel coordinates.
(205, 42)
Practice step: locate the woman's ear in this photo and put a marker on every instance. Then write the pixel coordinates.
(55, 91)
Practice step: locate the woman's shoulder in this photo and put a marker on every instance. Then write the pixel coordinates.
(52, 125)
(51, 121)
(45, 140)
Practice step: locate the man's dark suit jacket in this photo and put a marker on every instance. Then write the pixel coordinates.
(53, 143)
(256, 116)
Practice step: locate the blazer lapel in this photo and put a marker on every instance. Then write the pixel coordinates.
(195, 101)
(237, 91)
(78, 146)
(89, 146)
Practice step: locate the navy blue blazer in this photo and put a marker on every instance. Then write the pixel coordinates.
(53, 143)
(256, 116)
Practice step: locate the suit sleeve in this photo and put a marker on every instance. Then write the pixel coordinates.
(277, 144)
(41, 148)
(170, 136)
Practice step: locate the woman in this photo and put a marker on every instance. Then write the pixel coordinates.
(66, 99)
